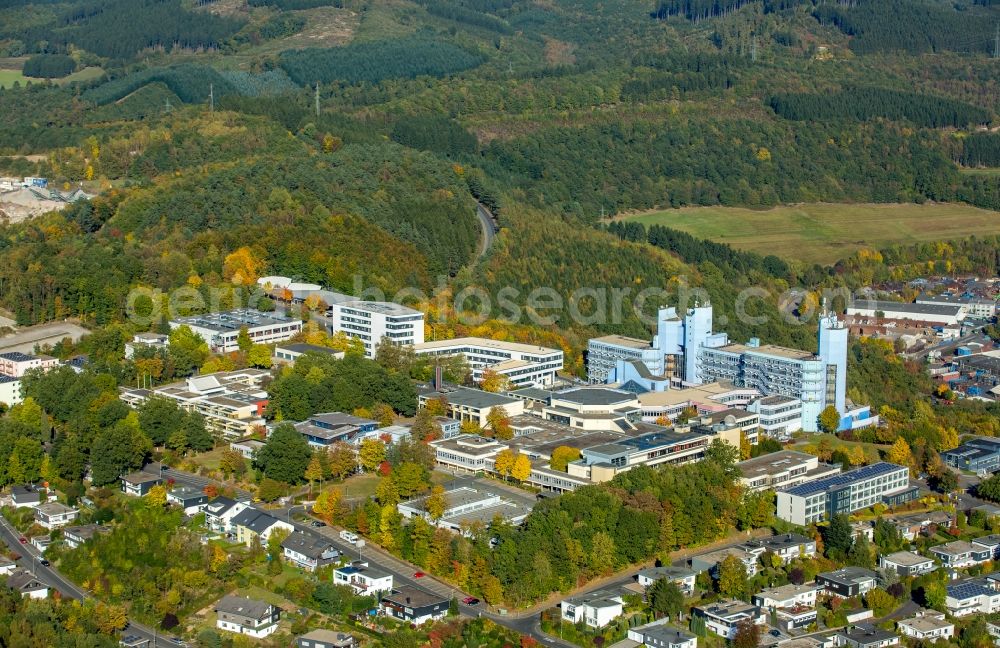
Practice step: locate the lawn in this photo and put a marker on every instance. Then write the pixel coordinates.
(8, 77)
(824, 232)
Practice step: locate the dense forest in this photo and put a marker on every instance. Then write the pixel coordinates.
(373, 62)
(863, 104)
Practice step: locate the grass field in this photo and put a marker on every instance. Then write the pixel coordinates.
(8, 77)
(822, 232)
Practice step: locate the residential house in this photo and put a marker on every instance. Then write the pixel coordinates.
(363, 579)
(907, 563)
(927, 625)
(594, 609)
(188, 498)
(247, 616)
(25, 583)
(53, 515)
(413, 605)
(307, 551)
(793, 605)
(139, 483)
(323, 430)
(722, 618)
(253, 523)
(710, 561)
(683, 577)
(323, 638)
(972, 596)
(847, 581)
(25, 496)
(866, 636)
(786, 596)
(219, 513)
(787, 546)
(41, 542)
(659, 635)
(7, 566)
(959, 553)
(990, 542)
(74, 536)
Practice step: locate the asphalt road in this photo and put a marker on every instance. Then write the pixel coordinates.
(486, 224)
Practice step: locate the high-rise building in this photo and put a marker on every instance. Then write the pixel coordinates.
(685, 352)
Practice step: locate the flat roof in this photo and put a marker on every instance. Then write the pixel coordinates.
(904, 307)
(234, 320)
(775, 463)
(624, 341)
(594, 396)
(474, 398)
(383, 308)
(679, 396)
(843, 479)
(772, 350)
(907, 558)
(486, 343)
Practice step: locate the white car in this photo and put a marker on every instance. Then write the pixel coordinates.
(347, 536)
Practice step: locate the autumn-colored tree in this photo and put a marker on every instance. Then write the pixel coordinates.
(499, 422)
(157, 495)
(232, 463)
(521, 469)
(663, 420)
(437, 406)
(494, 382)
(211, 491)
(732, 577)
(470, 427)
(386, 492)
(492, 590)
(562, 457)
(341, 461)
(856, 456)
(747, 634)
(242, 267)
(110, 619)
(503, 463)
(829, 419)
(219, 558)
(314, 471)
(259, 356)
(900, 453)
(436, 503)
(327, 505)
(371, 454)
(383, 414)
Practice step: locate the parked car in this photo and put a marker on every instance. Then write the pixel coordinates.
(318, 523)
(22, 540)
(419, 574)
(44, 562)
(470, 600)
(347, 536)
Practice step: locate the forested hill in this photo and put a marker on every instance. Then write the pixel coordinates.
(341, 141)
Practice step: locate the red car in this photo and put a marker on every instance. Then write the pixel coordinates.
(470, 600)
(418, 574)
(22, 540)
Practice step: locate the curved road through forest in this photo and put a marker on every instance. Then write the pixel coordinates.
(486, 224)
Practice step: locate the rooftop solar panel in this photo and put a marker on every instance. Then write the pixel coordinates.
(843, 479)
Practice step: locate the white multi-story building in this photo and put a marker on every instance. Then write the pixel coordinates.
(221, 330)
(372, 321)
(972, 596)
(783, 469)
(907, 563)
(845, 493)
(524, 365)
(15, 364)
(959, 553)
(779, 415)
(10, 390)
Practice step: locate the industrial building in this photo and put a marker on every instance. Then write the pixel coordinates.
(948, 314)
